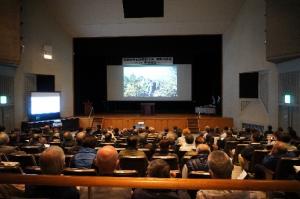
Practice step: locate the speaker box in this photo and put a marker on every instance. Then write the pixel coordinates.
(45, 83)
(143, 8)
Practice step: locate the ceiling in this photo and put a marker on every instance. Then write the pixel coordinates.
(97, 18)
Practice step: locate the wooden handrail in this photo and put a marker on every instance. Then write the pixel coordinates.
(152, 183)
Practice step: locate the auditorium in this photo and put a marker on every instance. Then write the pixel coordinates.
(149, 99)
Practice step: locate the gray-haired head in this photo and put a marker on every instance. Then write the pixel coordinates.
(52, 160)
(220, 165)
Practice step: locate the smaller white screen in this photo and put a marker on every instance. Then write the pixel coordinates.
(45, 103)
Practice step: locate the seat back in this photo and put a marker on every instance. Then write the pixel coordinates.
(3, 157)
(138, 163)
(33, 170)
(285, 168)
(11, 169)
(147, 151)
(32, 149)
(238, 149)
(171, 160)
(79, 172)
(229, 146)
(68, 159)
(257, 158)
(199, 174)
(24, 159)
(125, 173)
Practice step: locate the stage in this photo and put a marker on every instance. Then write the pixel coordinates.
(158, 121)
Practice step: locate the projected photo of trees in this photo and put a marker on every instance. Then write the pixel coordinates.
(150, 81)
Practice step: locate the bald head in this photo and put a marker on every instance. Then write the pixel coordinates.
(107, 160)
(279, 148)
(52, 160)
(79, 137)
(4, 139)
(203, 149)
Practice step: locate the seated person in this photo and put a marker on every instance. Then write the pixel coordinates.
(159, 169)
(189, 143)
(143, 141)
(164, 146)
(108, 138)
(106, 162)
(181, 139)
(52, 162)
(79, 140)
(86, 154)
(198, 162)
(131, 149)
(279, 150)
(220, 167)
(4, 148)
(199, 140)
(68, 140)
(246, 154)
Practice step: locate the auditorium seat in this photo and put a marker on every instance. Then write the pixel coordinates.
(257, 157)
(171, 160)
(79, 172)
(170, 150)
(32, 149)
(199, 174)
(184, 159)
(68, 150)
(238, 150)
(55, 144)
(68, 159)
(25, 160)
(285, 168)
(229, 146)
(125, 173)
(33, 170)
(102, 144)
(147, 151)
(138, 163)
(3, 157)
(10, 169)
(181, 154)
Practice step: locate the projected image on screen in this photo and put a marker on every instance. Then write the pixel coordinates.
(150, 81)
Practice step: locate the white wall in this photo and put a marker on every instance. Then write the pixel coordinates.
(290, 68)
(244, 51)
(40, 28)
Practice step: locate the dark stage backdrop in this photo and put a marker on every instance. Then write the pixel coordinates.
(92, 55)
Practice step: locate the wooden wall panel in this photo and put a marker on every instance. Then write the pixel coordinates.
(158, 122)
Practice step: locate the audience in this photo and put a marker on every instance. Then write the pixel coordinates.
(52, 162)
(106, 160)
(159, 169)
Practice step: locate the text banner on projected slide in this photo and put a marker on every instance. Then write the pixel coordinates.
(148, 60)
